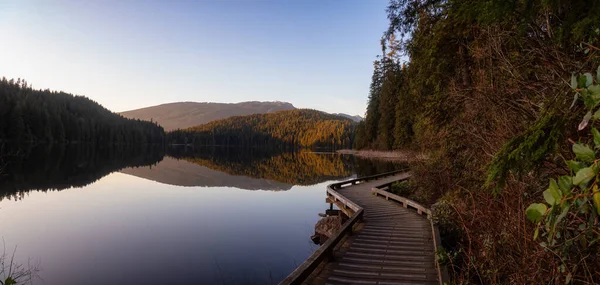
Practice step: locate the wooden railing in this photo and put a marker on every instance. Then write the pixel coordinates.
(326, 250)
(382, 191)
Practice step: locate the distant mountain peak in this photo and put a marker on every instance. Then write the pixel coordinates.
(181, 115)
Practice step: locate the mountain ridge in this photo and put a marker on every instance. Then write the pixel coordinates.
(186, 114)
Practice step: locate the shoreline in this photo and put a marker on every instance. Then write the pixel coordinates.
(398, 155)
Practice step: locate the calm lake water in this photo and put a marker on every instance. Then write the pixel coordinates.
(211, 216)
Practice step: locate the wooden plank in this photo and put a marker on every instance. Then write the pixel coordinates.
(404, 201)
(395, 245)
(442, 271)
(324, 252)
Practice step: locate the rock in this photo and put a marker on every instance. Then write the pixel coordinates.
(326, 228)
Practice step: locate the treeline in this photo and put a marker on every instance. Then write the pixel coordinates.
(59, 167)
(291, 167)
(43, 116)
(292, 128)
(296, 167)
(391, 110)
(483, 87)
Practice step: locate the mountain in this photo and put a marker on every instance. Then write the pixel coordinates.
(353, 118)
(298, 128)
(181, 115)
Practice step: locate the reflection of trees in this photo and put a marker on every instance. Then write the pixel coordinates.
(78, 165)
(60, 167)
(367, 167)
(298, 168)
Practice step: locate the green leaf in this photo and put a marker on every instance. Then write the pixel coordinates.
(574, 79)
(585, 121)
(552, 195)
(584, 152)
(597, 75)
(596, 115)
(596, 200)
(589, 79)
(536, 233)
(564, 184)
(583, 176)
(535, 212)
(596, 134)
(575, 165)
(588, 100)
(581, 81)
(594, 91)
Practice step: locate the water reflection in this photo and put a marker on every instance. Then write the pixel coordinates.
(60, 167)
(211, 232)
(249, 169)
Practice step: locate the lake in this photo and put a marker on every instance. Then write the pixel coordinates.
(180, 216)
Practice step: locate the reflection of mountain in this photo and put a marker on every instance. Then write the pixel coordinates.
(61, 167)
(78, 165)
(297, 168)
(183, 173)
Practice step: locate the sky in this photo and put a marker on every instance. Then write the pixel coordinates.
(131, 54)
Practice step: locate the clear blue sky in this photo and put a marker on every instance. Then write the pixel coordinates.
(132, 54)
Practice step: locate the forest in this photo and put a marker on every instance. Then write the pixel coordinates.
(296, 168)
(300, 167)
(29, 116)
(502, 97)
(288, 129)
(58, 167)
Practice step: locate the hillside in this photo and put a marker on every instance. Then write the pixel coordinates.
(181, 115)
(301, 127)
(353, 118)
(43, 116)
(503, 97)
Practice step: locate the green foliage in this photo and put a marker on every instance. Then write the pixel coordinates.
(583, 152)
(291, 128)
(42, 116)
(480, 87)
(570, 222)
(391, 110)
(401, 188)
(535, 212)
(522, 153)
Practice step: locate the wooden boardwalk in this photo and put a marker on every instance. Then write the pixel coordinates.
(392, 245)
